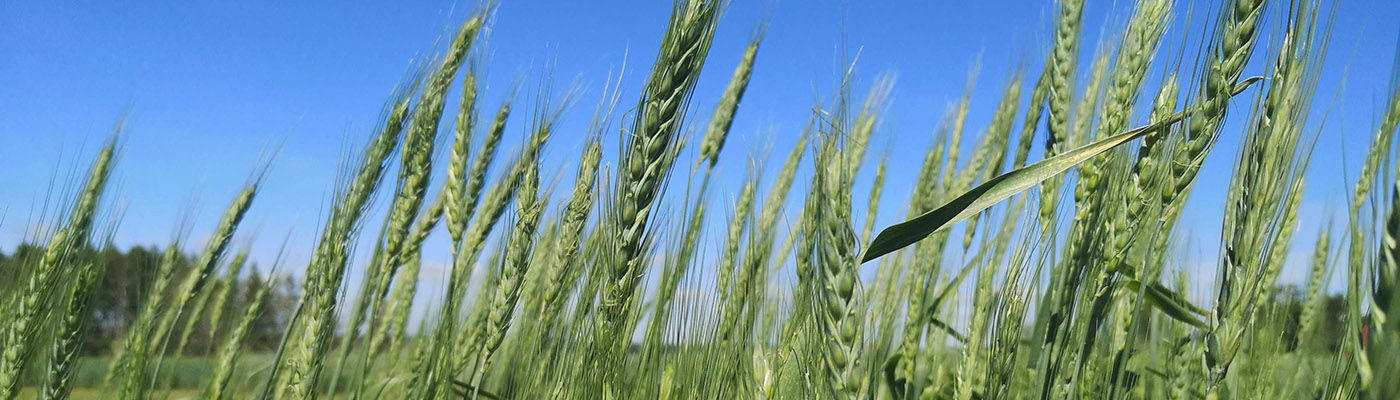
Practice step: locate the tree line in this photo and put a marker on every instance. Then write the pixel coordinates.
(127, 279)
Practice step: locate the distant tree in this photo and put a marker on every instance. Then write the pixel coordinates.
(127, 279)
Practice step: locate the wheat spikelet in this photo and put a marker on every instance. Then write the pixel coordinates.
(647, 155)
(26, 311)
(732, 241)
(327, 270)
(517, 265)
(837, 293)
(1232, 48)
(572, 224)
(227, 356)
(70, 333)
(729, 103)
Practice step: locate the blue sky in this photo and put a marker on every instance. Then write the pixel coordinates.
(211, 87)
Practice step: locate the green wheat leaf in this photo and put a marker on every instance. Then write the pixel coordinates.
(1002, 187)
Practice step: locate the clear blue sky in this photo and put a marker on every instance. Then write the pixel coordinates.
(212, 86)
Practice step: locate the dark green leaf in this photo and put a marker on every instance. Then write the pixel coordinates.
(1002, 187)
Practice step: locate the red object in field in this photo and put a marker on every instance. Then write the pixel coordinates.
(1366, 334)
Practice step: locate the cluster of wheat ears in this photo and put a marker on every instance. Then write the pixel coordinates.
(580, 297)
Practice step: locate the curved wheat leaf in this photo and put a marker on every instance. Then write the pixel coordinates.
(1171, 303)
(1002, 187)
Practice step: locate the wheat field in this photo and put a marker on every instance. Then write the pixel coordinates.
(1013, 276)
